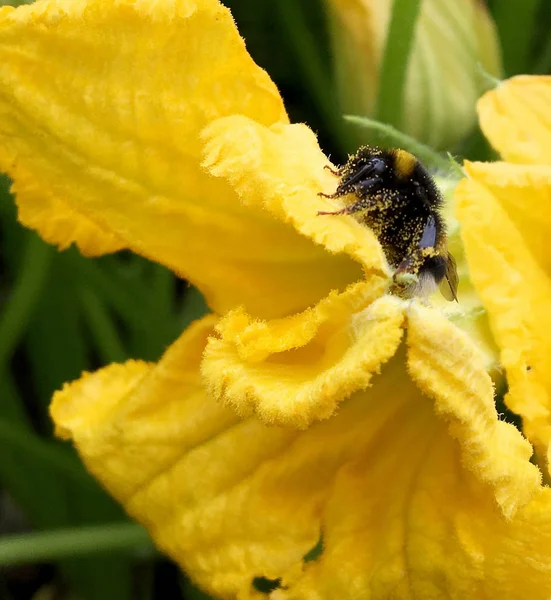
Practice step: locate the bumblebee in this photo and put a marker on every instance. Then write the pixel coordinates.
(393, 194)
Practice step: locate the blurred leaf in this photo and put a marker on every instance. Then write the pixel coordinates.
(541, 36)
(15, 2)
(101, 327)
(311, 64)
(141, 296)
(542, 64)
(19, 306)
(41, 309)
(193, 306)
(55, 345)
(515, 21)
(48, 454)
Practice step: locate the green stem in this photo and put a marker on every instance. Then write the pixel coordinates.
(390, 137)
(26, 292)
(393, 71)
(69, 543)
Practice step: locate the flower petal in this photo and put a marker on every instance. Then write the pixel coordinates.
(515, 118)
(56, 221)
(92, 412)
(524, 193)
(457, 502)
(458, 506)
(297, 370)
(448, 368)
(508, 262)
(101, 110)
(282, 169)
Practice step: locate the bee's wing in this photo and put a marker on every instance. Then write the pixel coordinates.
(448, 285)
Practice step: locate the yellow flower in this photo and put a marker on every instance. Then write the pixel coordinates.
(505, 211)
(310, 410)
(453, 39)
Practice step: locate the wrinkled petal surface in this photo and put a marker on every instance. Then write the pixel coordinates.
(505, 213)
(458, 505)
(509, 264)
(516, 120)
(299, 369)
(102, 106)
(456, 499)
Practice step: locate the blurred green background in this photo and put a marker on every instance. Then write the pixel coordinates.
(61, 536)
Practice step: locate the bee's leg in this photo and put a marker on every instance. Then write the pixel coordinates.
(342, 211)
(342, 190)
(335, 172)
(358, 206)
(411, 264)
(335, 195)
(362, 191)
(347, 210)
(406, 277)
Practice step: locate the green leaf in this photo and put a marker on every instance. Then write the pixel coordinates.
(193, 306)
(48, 455)
(24, 296)
(55, 345)
(101, 327)
(40, 310)
(515, 21)
(310, 63)
(140, 294)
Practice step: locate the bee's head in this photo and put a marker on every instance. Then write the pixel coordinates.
(369, 166)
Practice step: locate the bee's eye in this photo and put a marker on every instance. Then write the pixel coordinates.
(378, 166)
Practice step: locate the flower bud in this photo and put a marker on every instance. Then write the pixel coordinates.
(453, 39)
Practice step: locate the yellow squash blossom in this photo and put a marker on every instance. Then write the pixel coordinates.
(505, 211)
(311, 409)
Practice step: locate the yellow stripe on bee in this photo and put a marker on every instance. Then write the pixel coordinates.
(404, 163)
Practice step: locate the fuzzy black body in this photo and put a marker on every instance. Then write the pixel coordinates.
(393, 194)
